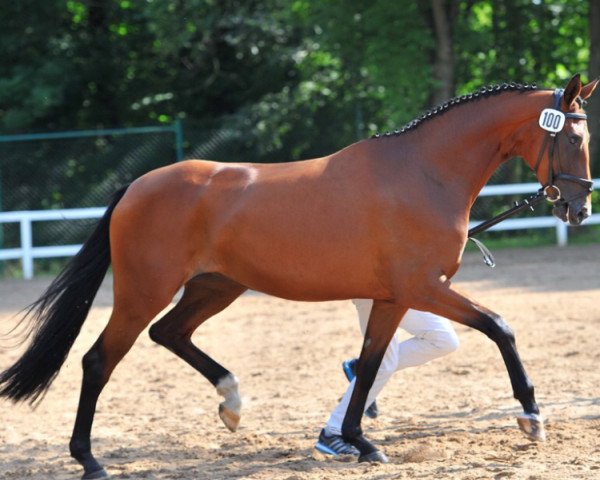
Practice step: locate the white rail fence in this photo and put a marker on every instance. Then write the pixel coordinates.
(27, 252)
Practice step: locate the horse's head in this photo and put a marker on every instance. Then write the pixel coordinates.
(562, 164)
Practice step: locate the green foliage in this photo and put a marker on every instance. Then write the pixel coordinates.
(383, 55)
(353, 79)
(296, 78)
(33, 64)
(521, 40)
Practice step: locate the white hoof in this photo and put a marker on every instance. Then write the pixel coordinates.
(533, 426)
(229, 410)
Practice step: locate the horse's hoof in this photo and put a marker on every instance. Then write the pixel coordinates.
(229, 417)
(374, 457)
(96, 475)
(533, 426)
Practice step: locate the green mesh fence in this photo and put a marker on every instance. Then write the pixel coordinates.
(74, 170)
(78, 169)
(83, 168)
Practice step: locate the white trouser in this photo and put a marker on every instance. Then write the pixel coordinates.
(433, 337)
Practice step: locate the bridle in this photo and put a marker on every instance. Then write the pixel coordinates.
(552, 120)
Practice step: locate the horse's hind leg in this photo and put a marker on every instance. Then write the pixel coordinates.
(203, 297)
(127, 321)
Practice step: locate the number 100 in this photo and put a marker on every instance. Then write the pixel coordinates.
(551, 120)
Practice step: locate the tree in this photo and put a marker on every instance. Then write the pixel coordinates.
(33, 65)
(520, 40)
(363, 67)
(443, 17)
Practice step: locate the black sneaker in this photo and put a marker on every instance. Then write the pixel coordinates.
(349, 367)
(332, 444)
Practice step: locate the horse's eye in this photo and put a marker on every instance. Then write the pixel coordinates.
(574, 139)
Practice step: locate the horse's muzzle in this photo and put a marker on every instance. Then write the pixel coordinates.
(574, 213)
(577, 217)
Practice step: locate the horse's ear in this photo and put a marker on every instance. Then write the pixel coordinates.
(572, 90)
(588, 89)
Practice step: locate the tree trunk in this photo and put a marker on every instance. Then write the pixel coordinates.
(594, 72)
(103, 73)
(444, 55)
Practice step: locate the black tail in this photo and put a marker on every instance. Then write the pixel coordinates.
(58, 315)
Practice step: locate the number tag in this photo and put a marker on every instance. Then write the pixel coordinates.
(552, 120)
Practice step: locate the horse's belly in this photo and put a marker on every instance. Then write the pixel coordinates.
(308, 283)
(300, 256)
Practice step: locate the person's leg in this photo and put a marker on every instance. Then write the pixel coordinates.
(385, 372)
(349, 368)
(433, 337)
(330, 440)
(363, 309)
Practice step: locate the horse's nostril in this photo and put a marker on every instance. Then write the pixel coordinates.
(583, 213)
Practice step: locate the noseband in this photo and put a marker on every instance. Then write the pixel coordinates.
(552, 120)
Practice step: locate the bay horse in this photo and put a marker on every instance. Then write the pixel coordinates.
(385, 218)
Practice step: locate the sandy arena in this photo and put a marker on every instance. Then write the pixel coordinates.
(453, 418)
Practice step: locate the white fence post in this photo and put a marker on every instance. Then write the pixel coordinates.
(562, 233)
(27, 247)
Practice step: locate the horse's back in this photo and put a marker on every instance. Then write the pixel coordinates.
(293, 229)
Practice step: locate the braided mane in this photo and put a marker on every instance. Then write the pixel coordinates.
(482, 92)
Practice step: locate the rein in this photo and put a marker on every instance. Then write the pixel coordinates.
(528, 203)
(551, 120)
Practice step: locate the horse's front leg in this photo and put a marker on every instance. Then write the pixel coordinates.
(455, 306)
(383, 322)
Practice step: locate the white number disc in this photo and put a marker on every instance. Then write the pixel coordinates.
(552, 120)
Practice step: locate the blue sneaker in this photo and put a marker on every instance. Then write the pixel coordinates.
(332, 444)
(349, 367)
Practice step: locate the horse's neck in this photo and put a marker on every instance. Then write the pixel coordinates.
(468, 143)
